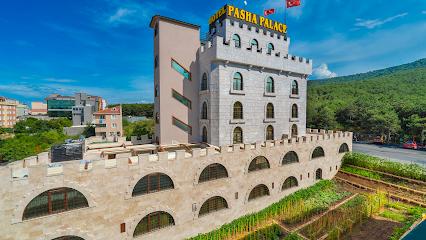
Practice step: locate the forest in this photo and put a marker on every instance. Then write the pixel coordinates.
(390, 103)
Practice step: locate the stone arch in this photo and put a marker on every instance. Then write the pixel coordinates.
(68, 232)
(168, 180)
(22, 204)
(223, 174)
(226, 203)
(133, 180)
(313, 151)
(344, 148)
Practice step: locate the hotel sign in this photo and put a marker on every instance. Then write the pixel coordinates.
(229, 11)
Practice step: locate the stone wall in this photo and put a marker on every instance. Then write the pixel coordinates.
(108, 184)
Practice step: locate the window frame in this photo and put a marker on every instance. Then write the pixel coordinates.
(212, 172)
(176, 120)
(182, 99)
(234, 136)
(236, 41)
(184, 69)
(237, 83)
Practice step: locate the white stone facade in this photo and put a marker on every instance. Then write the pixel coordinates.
(220, 59)
(108, 184)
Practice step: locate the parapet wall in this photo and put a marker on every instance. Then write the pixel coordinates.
(108, 184)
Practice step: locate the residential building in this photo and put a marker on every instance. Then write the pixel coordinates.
(85, 106)
(109, 123)
(22, 110)
(8, 112)
(38, 108)
(239, 85)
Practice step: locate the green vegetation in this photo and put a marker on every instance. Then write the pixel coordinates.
(137, 109)
(272, 232)
(413, 171)
(280, 210)
(292, 236)
(33, 136)
(411, 214)
(361, 172)
(396, 216)
(139, 128)
(389, 102)
(339, 220)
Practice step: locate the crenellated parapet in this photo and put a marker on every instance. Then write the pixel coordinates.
(124, 158)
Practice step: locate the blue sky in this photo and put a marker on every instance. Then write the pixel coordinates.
(104, 47)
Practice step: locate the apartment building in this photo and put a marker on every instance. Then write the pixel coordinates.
(8, 116)
(109, 123)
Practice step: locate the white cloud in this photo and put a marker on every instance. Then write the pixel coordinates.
(323, 72)
(373, 23)
(60, 80)
(20, 89)
(122, 15)
(424, 12)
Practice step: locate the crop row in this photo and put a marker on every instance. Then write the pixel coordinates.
(412, 171)
(294, 208)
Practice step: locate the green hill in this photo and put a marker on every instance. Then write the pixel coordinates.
(390, 102)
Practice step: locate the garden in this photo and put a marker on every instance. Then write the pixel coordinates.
(334, 209)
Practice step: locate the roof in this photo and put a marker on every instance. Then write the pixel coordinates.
(113, 110)
(171, 20)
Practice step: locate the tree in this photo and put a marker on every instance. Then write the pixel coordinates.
(89, 131)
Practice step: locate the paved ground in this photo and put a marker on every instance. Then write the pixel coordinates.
(392, 153)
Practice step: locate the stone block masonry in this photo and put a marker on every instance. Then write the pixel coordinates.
(108, 184)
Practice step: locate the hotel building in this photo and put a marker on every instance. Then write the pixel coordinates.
(239, 90)
(238, 85)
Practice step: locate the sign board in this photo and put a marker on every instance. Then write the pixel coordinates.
(229, 11)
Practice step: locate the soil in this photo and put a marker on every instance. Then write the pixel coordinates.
(381, 186)
(373, 228)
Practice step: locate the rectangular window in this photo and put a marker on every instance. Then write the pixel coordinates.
(178, 123)
(185, 101)
(185, 73)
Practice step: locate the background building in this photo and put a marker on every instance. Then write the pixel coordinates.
(60, 106)
(109, 123)
(85, 106)
(22, 110)
(240, 85)
(7, 112)
(38, 108)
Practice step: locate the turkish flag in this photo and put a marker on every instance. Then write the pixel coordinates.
(268, 12)
(293, 3)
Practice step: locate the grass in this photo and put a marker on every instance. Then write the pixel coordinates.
(272, 232)
(361, 172)
(412, 214)
(396, 216)
(412, 171)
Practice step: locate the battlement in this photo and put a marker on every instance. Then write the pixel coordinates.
(124, 158)
(222, 49)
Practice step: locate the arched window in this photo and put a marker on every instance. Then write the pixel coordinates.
(343, 148)
(213, 204)
(153, 182)
(204, 137)
(258, 163)
(237, 40)
(270, 88)
(237, 135)
(254, 44)
(318, 174)
(270, 133)
(68, 238)
(204, 82)
(290, 157)
(238, 110)
(270, 48)
(318, 152)
(237, 83)
(289, 183)
(294, 111)
(54, 201)
(258, 191)
(270, 110)
(294, 88)
(294, 130)
(204, 111)
(212, 172)
(152, 222)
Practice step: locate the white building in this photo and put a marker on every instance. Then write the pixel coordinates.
(240, 85)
